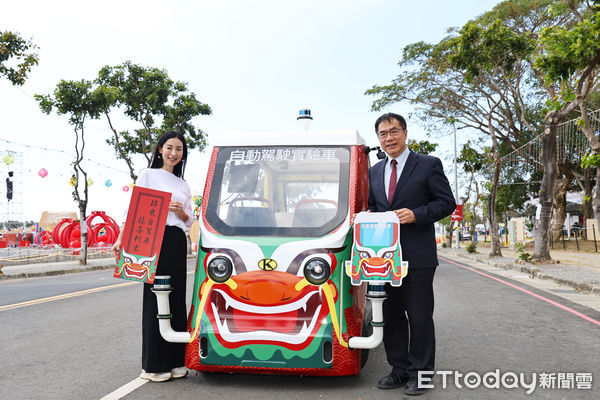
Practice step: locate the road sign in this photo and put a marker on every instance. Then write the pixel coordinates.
(457, 215)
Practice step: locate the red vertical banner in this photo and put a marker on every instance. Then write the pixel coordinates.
(143, 234)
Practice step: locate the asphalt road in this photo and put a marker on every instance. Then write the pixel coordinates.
(83, 342)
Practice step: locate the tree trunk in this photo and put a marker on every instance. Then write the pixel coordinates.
(588, 208)
(560, 207)
(494, 227)
(494, 231)
(84, 234)
(81, 202)
(596, 198)
(541, 251)
(449, 237)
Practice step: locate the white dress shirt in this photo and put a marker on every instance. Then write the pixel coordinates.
(387, 172)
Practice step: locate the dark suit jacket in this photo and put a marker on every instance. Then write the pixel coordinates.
(424, 189)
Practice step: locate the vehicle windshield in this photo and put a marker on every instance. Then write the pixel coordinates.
(279, 190)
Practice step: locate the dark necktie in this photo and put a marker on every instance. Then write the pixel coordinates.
(393, 181)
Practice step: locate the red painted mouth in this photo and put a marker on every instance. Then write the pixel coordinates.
(376, 270)
(136, 271)
(238, 322)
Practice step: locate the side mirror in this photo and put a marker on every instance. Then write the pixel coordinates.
(380, 153)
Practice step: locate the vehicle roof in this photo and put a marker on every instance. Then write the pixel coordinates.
(310, 137)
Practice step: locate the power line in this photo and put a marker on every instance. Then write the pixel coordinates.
(63, 152)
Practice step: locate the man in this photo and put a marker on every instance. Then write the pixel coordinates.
(414, 187)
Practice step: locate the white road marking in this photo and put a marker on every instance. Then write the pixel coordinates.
(125, 389)
(131, 386)
(69, 295)
(65, 296)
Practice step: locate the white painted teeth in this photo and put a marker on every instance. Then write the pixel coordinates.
(262, 335)
(238, 305)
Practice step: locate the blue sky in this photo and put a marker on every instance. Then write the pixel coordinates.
(256, 63)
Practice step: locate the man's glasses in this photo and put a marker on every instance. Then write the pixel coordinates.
(394, 132)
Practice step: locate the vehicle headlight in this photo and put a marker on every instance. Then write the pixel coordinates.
(219, 269)
(317, 271)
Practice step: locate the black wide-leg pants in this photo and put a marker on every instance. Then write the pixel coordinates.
(158, 355)
(409, 331)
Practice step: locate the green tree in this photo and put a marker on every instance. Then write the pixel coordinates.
(484, 76)
(78, 101)
(153, 100)
(492, 57)
(17, 57)
(473, 162)
(421, 146)
(469, 80)
(570, 61)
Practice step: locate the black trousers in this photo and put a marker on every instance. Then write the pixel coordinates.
(158, 355)
(409, 332)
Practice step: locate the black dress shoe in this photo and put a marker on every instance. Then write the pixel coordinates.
(391, 382)
(413, 389)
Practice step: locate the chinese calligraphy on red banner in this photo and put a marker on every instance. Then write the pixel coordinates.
(143, 234)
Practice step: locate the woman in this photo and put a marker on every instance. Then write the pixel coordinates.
(162, 360)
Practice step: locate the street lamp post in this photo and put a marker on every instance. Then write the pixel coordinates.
(456, 183)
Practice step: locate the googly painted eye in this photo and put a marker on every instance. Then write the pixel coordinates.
(317, 271)
(146, 263)
(219, 269)
(127, 260)
(364, 254)
(388, 254)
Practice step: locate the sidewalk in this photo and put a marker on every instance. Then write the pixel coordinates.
(54, 268)
(57, 268)
(578, 270)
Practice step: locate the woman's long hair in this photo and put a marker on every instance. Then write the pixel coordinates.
(157, 161)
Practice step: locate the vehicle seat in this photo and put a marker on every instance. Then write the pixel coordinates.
(251, 216)
(306, 217)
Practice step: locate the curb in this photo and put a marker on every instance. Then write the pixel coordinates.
(51, 272)
(57, 268)
(533, 271)
(83, 268)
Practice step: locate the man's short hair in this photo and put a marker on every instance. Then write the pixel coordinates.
(388, 117)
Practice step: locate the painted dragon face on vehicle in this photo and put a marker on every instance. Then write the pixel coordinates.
(136, 268)
(269, 304)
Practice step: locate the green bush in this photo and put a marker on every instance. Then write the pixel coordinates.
(523, 255)
(471, 248)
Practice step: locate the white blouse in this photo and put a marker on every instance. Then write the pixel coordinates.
(161, 179)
